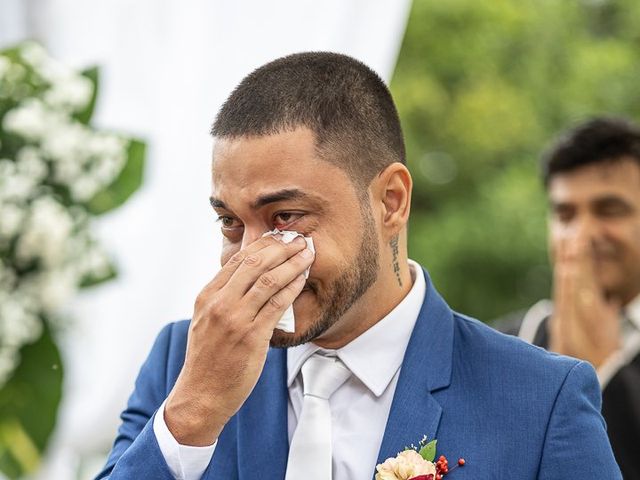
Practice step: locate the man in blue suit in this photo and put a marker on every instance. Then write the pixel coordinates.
(312, 143)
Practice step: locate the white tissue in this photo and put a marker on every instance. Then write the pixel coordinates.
(287, 321)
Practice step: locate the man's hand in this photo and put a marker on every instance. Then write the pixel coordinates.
(585, 324)
(233, 321)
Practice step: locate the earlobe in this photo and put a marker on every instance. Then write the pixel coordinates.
(395, 194)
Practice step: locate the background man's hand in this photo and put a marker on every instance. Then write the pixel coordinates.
(585, 324)
(233, 321)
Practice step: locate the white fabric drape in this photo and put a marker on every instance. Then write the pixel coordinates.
(166, 67)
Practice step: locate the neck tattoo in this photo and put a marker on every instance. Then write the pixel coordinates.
(396, 265)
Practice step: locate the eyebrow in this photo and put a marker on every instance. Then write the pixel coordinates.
(268, 198)
(609, 199)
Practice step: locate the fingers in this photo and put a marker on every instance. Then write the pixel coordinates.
(254, 252)
(258, 266)
(585, 324)
(268, 285)
(564, 286)
(271, 312)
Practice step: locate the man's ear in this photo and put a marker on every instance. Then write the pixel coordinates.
(392, 192)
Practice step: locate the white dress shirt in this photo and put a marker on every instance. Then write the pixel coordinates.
(630, 347)
(359, 408)
(629, 324)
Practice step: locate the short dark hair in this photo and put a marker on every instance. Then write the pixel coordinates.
(601, 139)
(345, 103)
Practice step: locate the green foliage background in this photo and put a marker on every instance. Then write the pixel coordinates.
(482, 88)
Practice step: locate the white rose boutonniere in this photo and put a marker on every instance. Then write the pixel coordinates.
(408, 464)
(416, 463)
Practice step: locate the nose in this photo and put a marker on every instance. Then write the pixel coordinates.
(587, 227)
(251, 235)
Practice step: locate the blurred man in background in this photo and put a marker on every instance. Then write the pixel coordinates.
(592, 177)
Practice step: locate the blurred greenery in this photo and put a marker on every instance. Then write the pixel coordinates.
(85, 115)
(28, 407)
(125, 185)
(29, 401)
(482, 88)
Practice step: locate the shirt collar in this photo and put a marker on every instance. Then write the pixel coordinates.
(376, 355)
(632, 312)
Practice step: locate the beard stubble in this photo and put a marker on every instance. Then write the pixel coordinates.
(344, 291)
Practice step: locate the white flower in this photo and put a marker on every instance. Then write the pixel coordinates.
(56, 289)
(30, 163)
(106, 145)
(106, 170)
(7, 277)
(9, 359)
(15, 73)
(84, 188)
(66, 172)
(64, 141)
(30, 119)
(406, 465)
(73, 92)
(11, 219)
(5, 65)
(18, 323)
(46, 233)
(53, 71)
(33, 54)
(95, 263)
(53, 238)
(14, 186)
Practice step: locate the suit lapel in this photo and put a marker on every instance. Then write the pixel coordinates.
(263, 451)
(426, 367)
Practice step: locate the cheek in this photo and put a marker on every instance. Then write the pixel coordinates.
(324, 261)
(626, 235)
(557, 233)
(228, 250)
(634, 239)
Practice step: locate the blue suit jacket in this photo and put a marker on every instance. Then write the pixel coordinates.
(510, 409)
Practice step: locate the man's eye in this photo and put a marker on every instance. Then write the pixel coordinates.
(283, 219)
(564, 215)
(228, 222)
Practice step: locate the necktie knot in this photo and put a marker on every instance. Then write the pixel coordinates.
(322, 376)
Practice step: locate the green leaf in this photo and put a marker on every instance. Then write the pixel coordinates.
(84, 116)
(28, 407)
(428, 452)
(12, 52)
(91, 280)
(125, 185)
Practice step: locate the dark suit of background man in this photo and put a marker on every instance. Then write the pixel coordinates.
(312, 143)
(592, 176)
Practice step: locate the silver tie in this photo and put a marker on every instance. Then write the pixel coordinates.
(310, 451)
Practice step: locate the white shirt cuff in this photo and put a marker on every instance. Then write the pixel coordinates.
(185, 462)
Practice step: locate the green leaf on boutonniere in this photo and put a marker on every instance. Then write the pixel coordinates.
(428, 452)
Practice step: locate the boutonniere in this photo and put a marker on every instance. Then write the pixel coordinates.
(416, 463)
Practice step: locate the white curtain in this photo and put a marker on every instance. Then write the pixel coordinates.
(166, 67)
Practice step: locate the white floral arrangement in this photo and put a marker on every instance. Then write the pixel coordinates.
(56, 172)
